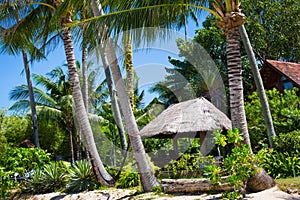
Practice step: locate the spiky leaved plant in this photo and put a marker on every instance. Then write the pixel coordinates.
(81, 177)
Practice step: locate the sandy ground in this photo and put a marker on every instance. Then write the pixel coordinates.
(122, 194)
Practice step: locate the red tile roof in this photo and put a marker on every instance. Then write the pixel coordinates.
(288, 69)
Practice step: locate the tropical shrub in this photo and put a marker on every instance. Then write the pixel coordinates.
(239, 164)
(16, 129)
(187, 166)
(285, 110)
(34, 184)
(81, 177)
(22, 160)
(289, 143)
(128, 179)
(280, 164)
(5, 184)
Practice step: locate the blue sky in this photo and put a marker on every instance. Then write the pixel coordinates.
(11, 69)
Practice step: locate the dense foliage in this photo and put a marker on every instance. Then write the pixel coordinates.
(22, 160)
(285, 109)
(271, 27)
(186, 166)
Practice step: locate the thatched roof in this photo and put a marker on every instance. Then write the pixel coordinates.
(188, 117)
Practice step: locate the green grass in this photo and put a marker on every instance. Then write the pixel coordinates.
(292, 183)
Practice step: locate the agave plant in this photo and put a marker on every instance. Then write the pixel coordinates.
(33, 184)
(81, 177)
(54, 177)
(49, 178)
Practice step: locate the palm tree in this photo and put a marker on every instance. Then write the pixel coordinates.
(14, 44)
(59, 14)
(147, 177)
(230, 19)
(260, 87)
(55, 104)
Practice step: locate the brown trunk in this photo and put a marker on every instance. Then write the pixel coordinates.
(261, 181)
(234, 64)
(147, 177)
(193, 186)
(32, 101)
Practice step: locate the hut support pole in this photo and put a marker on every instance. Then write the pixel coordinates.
(175, 147)
(202, 137)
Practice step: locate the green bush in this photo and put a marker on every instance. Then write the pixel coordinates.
(128, 180)
(16, 129)
(81, 177)
(187, 166)
(239, 164)
(22, 160)
(280, 165)
(34, 184)
(289, 143)
(285, 110)
(5, 184)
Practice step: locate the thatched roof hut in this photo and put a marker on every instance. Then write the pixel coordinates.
(186, 118)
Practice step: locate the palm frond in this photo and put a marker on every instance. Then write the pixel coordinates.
(49, 113)
(47, 83)
(95, 118)
(20, 108)
(128, 17)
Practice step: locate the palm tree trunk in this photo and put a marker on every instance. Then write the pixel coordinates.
(147, 177)
(101, 174)
(84, 74)
(97, 10)
(129, 70)
(114, 103)
(32, 101)
(259, 86)
(238, 116)
(69, 128)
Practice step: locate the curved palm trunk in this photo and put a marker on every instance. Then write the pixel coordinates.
(101, 174)
(32, 101)
(85, 91)
(238, 116)
(97, 10)
(114, 103)
(147, 177)
(259, 86)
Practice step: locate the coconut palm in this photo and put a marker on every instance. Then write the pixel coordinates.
(14, 44)
(56, 104)
(128, 63)
(146, 175)
(59, 14)
(260, 87)
(230, 19)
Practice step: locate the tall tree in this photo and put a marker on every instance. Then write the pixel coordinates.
(271, 26)
(147, 177)
(14, 44)
(55, 103)
(230, 19)
(128, 63)
(58, 15)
